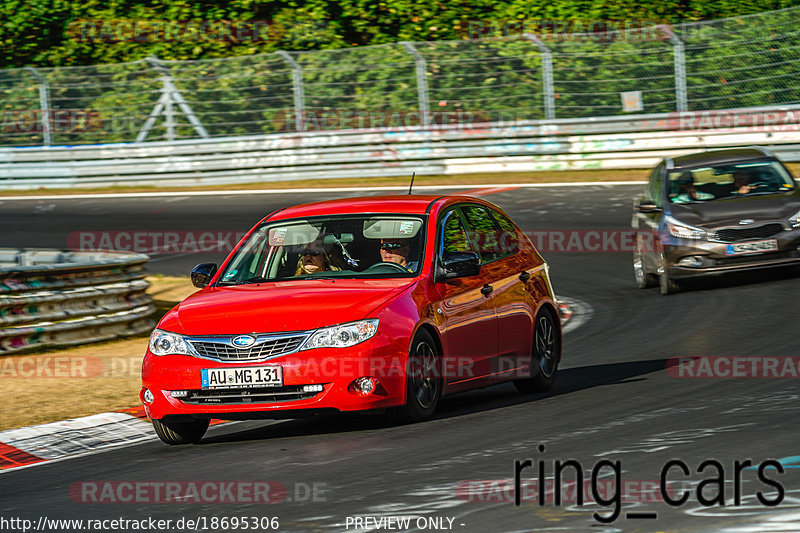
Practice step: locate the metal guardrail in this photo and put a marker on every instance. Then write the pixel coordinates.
(50, 297)
(552, 145)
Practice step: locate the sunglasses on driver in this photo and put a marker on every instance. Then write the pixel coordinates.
(310, 251)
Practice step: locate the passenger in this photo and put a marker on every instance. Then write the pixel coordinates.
(741, 182)
(688, 193)
(396, 251)
(313, 259)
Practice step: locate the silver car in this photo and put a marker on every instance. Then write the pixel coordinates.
(715, 212)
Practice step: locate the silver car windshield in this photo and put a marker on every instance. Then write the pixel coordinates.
(728, 181)
(352, 246)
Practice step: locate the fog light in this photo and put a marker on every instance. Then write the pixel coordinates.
(691, 261)
(148, 396)
(179, 393)
(313, 388)
(364, 386)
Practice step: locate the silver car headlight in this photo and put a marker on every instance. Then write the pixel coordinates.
(681, 230)
(794, 220)
(342, 335)
(165, 343)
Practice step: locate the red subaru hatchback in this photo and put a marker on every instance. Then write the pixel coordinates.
(377, 303)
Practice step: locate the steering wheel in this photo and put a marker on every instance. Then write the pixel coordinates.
(395, 266)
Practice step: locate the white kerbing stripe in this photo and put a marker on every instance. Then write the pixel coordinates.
(78, 435)
(402, 188)
(581, 313)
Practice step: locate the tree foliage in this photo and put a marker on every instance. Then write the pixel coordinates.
(49, 32)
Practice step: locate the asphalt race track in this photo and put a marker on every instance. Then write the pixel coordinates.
(614, 401)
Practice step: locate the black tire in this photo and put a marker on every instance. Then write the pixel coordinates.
(189, 432)
(667, 284)
(423, 381)
(644, 280)
(545, 354)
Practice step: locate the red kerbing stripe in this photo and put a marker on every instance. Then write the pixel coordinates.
(11, 457)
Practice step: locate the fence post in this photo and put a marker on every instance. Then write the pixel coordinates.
(297, 90)
(44, 106)
(422, 82)
(679, 59)
(170, 95)
(547, 76)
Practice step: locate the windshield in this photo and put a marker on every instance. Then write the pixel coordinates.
(352, 246)
(728, 181)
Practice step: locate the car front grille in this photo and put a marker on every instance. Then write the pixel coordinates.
(287, 393)
(747, 234)
(221, 348)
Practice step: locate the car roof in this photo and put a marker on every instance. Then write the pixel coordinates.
(720, 157)
(405, 203)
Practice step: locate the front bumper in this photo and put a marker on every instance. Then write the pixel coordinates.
(715, 260)
(333, 368)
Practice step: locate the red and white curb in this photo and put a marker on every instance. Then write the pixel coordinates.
(71, 438)
(574, 313)
(36, 445)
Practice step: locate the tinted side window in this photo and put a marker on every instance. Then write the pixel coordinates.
(509, 241)
(454, 235)
(483, 232)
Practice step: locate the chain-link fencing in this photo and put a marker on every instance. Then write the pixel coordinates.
(732, 63)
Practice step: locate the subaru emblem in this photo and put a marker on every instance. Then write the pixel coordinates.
(746, 221)
(243, 341)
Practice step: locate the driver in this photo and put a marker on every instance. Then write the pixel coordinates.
(741, 182)
(396, 251)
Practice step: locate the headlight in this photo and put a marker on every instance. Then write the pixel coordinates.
(343, 335)
(683, 231)
(164, 343)
(794, 220)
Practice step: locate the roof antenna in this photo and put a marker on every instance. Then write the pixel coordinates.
(412, 182)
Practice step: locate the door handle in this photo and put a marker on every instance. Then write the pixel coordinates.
(487, 289)
(525, 276)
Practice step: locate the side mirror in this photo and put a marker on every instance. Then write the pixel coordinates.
(202, 274)
(648, 207)
(460, 265)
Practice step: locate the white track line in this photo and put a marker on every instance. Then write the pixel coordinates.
(469, 186)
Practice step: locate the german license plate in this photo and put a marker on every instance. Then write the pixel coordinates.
(754, 247)
(254, 376)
